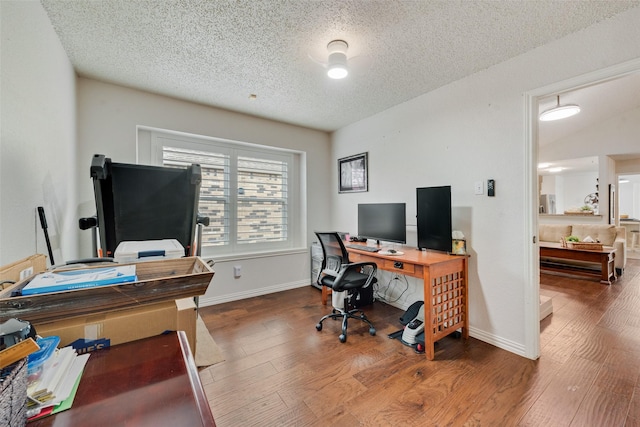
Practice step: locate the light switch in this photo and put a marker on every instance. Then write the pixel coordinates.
(479, 187)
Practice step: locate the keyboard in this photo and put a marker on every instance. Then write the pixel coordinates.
(363, 248)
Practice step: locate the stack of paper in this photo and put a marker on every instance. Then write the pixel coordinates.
(55, 389)
(78, 279)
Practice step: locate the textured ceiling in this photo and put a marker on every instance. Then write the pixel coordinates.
(218, 52)
(598, 103)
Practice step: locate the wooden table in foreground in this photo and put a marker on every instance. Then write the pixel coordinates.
(151, 382)
(604, 259)
(445, 288)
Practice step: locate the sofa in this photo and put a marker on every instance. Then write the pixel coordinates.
(608, 235)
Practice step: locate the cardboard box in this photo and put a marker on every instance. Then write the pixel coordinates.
(20, 270)
(101, 330)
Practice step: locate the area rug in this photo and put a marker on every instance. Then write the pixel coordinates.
(207, 351)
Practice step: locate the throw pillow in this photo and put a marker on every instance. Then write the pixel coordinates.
(605, 234)
(553, 232)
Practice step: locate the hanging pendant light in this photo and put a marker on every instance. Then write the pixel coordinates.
(337, 64)
(559, 112)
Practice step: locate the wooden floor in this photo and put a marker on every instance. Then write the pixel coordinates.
(279, 371)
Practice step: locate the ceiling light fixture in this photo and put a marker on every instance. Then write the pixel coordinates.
(337, 64)
(559, 112)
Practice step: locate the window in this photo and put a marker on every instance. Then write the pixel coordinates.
(248, 192)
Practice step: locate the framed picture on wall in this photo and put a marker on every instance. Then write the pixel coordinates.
(612, 204)
(352, 174)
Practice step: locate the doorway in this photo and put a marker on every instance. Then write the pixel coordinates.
(533, 102)
(629, 208)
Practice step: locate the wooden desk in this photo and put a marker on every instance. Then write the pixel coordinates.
(151, 382)
(445, 288)
(605, 259)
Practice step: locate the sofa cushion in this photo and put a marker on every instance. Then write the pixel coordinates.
(553, 232)
(605, 234)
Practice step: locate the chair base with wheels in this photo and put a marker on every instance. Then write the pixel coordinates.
(346, 281)
(345, 314)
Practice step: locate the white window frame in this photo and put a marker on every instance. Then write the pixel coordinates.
(295, 234)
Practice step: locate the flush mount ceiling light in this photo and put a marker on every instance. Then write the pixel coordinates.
(337, 63)
(559, 112)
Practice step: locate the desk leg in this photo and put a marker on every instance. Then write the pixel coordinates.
(429, 343)
(430, 351)
(608, 269)
(465, 272)
(446, 299)
(325, 295)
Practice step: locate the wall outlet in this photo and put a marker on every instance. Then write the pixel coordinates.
(237, 271)
(479, 187)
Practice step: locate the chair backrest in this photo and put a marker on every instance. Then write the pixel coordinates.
(334, 251)
(140, 202)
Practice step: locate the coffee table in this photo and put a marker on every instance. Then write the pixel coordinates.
(589, 263)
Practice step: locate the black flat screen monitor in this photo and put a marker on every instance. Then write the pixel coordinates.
(434, 218)
(383, 221)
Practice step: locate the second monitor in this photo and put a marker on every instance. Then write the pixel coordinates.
(383, 222)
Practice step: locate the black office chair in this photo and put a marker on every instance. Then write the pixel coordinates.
(140, 202)
(343, 278)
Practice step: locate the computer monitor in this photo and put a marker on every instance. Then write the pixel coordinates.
(434, 218)
(383, 221)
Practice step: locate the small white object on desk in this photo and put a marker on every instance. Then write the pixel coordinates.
(390, 252)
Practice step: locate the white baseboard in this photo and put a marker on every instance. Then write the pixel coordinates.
(206, 301)
(546, 306)
(497, 341)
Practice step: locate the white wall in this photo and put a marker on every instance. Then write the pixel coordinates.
(619, 135)
(629, 196)
(629, 193)
(38, 136)
(570, 189)
(472, 130)
(108, 116)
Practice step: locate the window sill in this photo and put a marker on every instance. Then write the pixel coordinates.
(254, 255)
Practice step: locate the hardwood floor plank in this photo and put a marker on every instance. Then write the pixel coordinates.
(299, 416)
(617, 381)
(258, 413)
(561, 399)
(512, 400)
(280, 371)
(247, 386)
(633, 416)
(595, 346)
(337, 393)
(600, 408)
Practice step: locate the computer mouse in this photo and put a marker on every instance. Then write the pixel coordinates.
(392, 251)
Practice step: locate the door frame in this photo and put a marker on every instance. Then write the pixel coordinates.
(532, 268)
